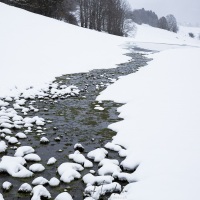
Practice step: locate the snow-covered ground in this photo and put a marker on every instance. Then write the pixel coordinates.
(160, 130)
(184, 30)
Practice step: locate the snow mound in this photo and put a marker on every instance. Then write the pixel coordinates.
(40, 181)
(64, 196)
(40, 191)
(69, 171)
(98, 154)
(25, 187)
(23, 150)
(89, 179)
(80, 158)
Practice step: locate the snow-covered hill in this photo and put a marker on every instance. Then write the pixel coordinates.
(161, 128)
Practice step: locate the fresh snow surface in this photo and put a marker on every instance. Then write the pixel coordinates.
(161, 128)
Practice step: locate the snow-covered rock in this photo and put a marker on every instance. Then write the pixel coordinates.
(21, 135)
(108, 169)
(3, 146)
(13, 140)
(1, 197)
(122, 176)
(108, 161)
(44, 140)
(97, 180)
(25, 187)
(23, 150)
(80, 158)
(32, 157)
(98, 154)
(40, 191)
(78, 147)
(6, 131)
(36, 167)
(6, 185)
(40, 181)
(96, 191)
(64, 196)
(51, 161)
(14, 167)
(69, 171)
(54, 182)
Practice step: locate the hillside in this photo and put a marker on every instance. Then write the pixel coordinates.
(160, 131)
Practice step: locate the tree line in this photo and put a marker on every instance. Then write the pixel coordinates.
(58, 9)
(102, 15)
(142, 16)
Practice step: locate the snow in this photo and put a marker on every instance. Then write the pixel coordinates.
(1, 197)
(50, 46)
(14, 167)
(69, 171)
(32, 157)
(3, 146)
(80, 158)
(36, 167)
(98, 154)
(184, 31)
(6, 185)
(54, 182)
(40, 181)
(25, 187)
(89, 179)
(40, 191)
(64, 196)
(51, 161)
(161, 128)
(23, 150)
(21, 135)
(96, 191)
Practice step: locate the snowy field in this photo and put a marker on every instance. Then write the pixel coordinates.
(160, 130)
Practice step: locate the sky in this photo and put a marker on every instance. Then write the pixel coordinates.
(184, 10)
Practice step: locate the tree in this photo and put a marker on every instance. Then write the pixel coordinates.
(103, 15)
(58, 9)
(162, 23)
(142, 16)
(172, 23)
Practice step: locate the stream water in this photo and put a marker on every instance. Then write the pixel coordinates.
(74, 120)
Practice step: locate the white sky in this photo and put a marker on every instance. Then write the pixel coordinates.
(183, 10)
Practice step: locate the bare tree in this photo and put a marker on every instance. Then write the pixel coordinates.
(103, 15)
(172, 23)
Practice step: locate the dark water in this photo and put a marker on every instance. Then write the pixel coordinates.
(76, 121)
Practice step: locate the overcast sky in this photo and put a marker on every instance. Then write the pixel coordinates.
(183, 10)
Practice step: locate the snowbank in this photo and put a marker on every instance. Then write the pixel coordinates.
(161, 130)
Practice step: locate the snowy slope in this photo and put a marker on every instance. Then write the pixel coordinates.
(35, 49)
(161, 116)
(183, 30)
